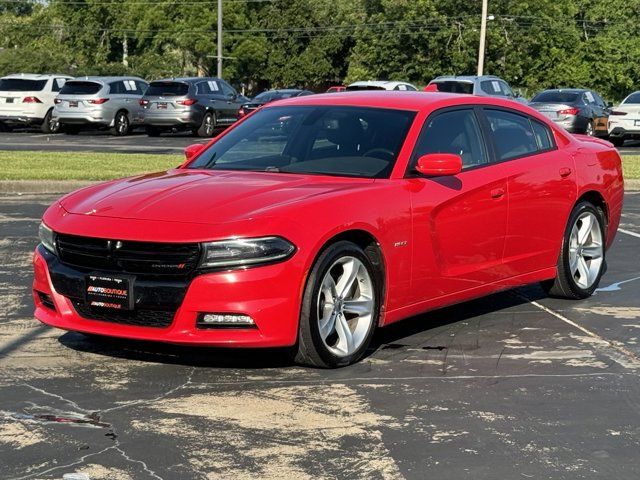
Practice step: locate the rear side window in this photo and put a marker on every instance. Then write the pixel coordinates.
(455, 87)
(116, 88)
(543, 136)
(21, 85)
(202, 88)
(80, 88)
(58, 83)
(491, 87)
(512, 134)
(168, 89)
(457, 132)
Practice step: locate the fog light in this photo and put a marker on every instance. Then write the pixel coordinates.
(213, 320)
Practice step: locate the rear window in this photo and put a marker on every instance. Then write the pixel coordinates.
(556, 97)
(270, 96)
(633, 98)
(455, 87)
(21, 85)
(168, 89)
(80, 88)
(352, 88)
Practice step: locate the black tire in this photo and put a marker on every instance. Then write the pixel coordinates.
(153, 131)
(121, 125)
(208, 125)
(617, 141)
(71, 129)
(48, 124)
(564, 285)
(310, 349)
(5, 128)
(589, 129)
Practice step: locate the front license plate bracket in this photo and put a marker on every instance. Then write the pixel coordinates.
(114, 292)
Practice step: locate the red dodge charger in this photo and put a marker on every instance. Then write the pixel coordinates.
(317, 219)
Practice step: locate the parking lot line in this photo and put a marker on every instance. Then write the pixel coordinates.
(628, 232)
(630, 359)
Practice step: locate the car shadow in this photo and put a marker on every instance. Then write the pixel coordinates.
(389, 337)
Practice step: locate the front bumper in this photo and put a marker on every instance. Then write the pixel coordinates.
(270, 295)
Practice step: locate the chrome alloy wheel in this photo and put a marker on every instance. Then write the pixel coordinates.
(585, 250)
(208, 125)
(122, 123)
(346, 303)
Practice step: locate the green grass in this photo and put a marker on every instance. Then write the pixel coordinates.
(631, 167)
(27, 165)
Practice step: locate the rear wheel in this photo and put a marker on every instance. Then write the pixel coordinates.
(121, 126)
(50, 124)
(340, 308)
(207, 126)
(153, 131)
(581, 263)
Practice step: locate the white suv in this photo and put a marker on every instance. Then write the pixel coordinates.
(28, 99)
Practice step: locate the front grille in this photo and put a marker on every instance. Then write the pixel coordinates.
(128, 256)
(139, 318)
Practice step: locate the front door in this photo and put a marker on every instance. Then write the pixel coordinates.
(459, 222)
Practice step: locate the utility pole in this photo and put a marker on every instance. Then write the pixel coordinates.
(219, 38)
(483, 36)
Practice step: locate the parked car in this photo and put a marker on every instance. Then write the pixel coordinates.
(577, 110)
(380, 85)
(270, 96)
(198, 104)
(336, 89)
(28, 99)
(483, 85)
(313, 222)
(99, 102)
(624, 120)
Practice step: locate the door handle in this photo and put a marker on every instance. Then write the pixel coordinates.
(565, 172)
(497, 192)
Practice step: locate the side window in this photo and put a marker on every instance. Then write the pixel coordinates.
(116, 88)
(512, 134)
(57, 84)
(410, 88)
(491, 87)
(589, 99)
(130, 87)
(227, 91)
(598, 100)
(402, 86)
(202, 88)
(457, 132)
(214, 87)
(506, 89)
(543, 136)
(142, 87)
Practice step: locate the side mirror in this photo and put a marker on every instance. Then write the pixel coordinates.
(193, 150)
(439, 164)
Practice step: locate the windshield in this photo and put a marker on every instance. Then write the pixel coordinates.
(633, 98)
(556, 97)
(455, 87)
(323, 140)
(80, 88)
(167, 89)
(275, 95)
(21, 85)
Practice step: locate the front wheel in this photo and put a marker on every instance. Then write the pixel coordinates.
(340, 308)
(589, 129)
(581, 262)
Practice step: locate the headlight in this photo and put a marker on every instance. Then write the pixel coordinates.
(245, 251)
(47, 237)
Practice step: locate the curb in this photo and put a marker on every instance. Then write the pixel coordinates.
(66, 186)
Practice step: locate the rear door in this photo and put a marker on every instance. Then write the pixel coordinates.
(233, 100)
(541, 189)
(459, 222)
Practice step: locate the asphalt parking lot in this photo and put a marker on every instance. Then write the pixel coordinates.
(515, 385)
(137, 142)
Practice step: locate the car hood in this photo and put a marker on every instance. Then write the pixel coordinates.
(201, 196)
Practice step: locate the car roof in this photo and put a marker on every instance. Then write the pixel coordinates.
(377, 83)
(35, 76)
(400, 100)
(187, 79)
(569, 90)
(464, 78)
(105, 79)
(283, 90)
